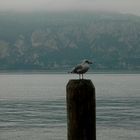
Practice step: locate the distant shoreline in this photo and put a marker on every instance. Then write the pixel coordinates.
(66, 72)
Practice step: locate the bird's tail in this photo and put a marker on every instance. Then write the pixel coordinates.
(69, 72)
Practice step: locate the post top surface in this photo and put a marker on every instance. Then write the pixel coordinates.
(80, 82)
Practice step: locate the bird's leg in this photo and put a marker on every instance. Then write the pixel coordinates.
(79, 76)
(82, 76)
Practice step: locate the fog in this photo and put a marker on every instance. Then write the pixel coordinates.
(123, 6)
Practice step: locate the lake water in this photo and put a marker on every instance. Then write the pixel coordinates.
(33, 106)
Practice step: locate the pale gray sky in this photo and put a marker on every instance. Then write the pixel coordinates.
(125, 6)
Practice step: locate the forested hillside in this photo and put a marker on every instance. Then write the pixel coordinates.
(52, 41)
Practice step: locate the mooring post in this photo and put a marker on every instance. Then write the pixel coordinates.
(81, 110)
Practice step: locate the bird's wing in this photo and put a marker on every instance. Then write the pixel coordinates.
(76, 69)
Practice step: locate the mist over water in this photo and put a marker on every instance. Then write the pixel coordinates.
(33, 106)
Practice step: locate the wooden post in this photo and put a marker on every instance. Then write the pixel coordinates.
(81, 110)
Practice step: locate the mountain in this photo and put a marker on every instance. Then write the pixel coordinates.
(52, 41)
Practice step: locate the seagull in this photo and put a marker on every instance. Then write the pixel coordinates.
(81, 68)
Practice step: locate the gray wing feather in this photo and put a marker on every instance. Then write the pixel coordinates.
(76, 69)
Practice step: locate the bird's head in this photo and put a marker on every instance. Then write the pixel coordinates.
(87, 61)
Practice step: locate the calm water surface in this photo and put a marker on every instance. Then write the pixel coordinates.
(33, 106)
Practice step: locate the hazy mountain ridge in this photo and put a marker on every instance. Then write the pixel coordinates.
(59, 40)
